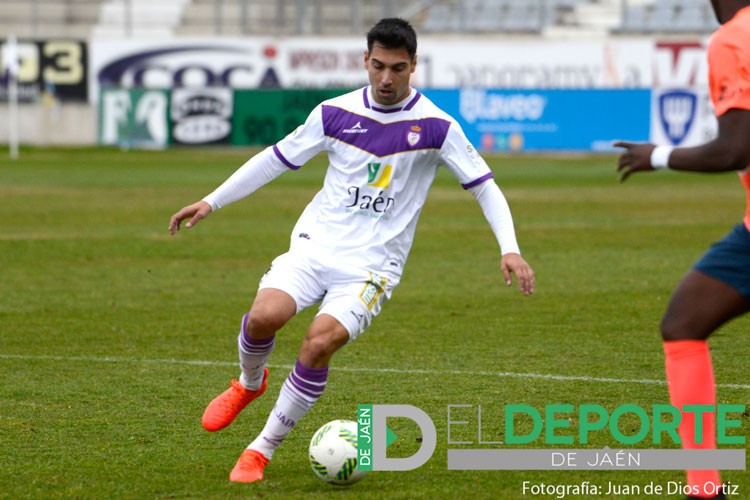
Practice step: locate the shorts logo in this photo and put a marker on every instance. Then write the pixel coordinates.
(414, 135)
(372, 290)
(385, 177)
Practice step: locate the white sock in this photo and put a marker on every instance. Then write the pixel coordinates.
(253, 356)
(299, 393)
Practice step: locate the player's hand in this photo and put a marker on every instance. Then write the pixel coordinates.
(195, 212)
(636, 158)
(513, 263)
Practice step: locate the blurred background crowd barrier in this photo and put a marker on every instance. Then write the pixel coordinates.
(520, 75)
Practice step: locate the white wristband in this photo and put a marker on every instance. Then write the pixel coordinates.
(660, 157)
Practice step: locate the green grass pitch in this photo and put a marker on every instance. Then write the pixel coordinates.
(114, 335)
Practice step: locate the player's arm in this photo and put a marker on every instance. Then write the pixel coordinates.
(255, 173)
(472, 171)
(496, 211)
(730, 150)
(290, 153)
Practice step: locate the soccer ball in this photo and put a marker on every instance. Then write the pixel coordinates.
(333, 453)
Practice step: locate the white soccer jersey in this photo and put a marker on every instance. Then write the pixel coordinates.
(382, 163)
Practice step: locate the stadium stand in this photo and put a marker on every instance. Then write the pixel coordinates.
(144, 18)
(116, 18)
(333, 17)
(49, 18)
(667, 16)
(291, 17)
(499, 16)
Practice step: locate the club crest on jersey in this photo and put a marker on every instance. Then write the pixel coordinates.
(414, 134)
(382, 181)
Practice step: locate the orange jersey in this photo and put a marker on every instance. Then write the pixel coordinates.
(729, 75)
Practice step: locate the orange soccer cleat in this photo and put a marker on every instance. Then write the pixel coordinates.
(249, 467)
(226, 406)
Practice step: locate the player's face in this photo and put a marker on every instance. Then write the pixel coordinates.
(389, 71)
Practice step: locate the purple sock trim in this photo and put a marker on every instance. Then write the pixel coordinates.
(254, 346)
(258, 344)
(312, 390)
(319, 375)
(306, 383)
(308, 396)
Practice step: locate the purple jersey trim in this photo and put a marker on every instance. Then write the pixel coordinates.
(412, 102)
(384, 139)
(364, 97)
(408, 106)
(384, 110)
(284, 160)
(478, 181)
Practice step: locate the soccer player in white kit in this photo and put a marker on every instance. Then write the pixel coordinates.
(348, 249)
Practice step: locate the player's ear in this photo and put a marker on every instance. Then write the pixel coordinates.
(414, 63)
(367, 59)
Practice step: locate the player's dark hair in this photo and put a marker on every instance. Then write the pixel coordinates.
(393, 33)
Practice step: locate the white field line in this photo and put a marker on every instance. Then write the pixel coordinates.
(481, 373)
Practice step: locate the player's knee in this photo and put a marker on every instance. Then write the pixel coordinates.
(317, 348)
(320, 346)
(263, 322)
(675, 327)
(668, 328)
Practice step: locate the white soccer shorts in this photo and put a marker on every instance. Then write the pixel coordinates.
(352, 296)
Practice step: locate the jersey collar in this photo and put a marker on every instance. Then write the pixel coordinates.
(410, 101)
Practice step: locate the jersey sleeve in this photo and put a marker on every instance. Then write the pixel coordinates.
(497, 213)
(303, 143)
(729, 74)
(460, 157)
(255, 173)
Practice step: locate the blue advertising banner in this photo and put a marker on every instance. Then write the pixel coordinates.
(548, 120)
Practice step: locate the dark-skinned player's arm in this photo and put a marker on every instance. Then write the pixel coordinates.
(730, 150)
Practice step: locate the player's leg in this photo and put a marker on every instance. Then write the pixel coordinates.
(271, 310)
(352, 301)
(290, 285)
(698, 307)
(302, 388)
